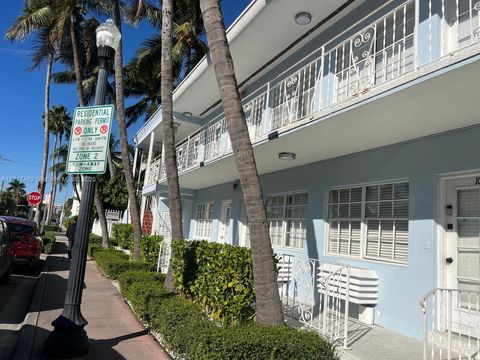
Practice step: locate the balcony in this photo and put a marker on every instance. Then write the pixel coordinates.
(379, 53)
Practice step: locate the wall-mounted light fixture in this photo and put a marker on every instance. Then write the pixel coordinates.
(187, 114)
(287, 156)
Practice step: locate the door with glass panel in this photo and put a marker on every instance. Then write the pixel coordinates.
(461, 257)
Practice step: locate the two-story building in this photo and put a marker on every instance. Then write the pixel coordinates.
(364, 117)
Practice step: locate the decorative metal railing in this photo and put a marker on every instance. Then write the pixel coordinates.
(379, 49)
(317, 295)
(451, 324)
(154, 173)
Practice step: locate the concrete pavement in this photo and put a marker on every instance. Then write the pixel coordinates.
(114, 331)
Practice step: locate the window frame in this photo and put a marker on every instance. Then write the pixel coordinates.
(363, 223)
(208, 204)
(284, 219)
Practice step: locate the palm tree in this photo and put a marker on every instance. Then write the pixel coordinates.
(60, 122)
(122, 128)
(174, 199)
(69, 18)
(17, 189)
(143, 73)
(269, 309)
(37, 17)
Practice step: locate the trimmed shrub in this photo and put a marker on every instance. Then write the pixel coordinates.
(217, 276)
(139, 287)
(114, 262)
(149, 247)
(48, 228)
(94, 239)
(48, 241)
(122, 235)
(187, 331)
(93, 248)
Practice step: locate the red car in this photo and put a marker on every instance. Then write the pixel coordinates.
(26, 242)
(6, 254)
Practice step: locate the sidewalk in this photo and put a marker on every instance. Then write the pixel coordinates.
(114, 331)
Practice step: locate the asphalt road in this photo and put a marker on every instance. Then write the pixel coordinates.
(15, 299)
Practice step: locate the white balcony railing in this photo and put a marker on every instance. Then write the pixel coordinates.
(451, 324)
(154, 173)
(380, 49)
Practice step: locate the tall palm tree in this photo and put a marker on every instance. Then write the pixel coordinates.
(171, 170)
(60, 122)
(122, 128)
(69, 18)
(37, 17)
(143, 73)
(17, 189)
(269, 309)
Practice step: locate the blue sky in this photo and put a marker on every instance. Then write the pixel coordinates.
(22, 97)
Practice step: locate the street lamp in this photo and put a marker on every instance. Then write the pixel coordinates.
(69, 339)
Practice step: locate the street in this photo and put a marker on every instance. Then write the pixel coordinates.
(15, 299)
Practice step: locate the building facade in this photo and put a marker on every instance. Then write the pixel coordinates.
(365, 125)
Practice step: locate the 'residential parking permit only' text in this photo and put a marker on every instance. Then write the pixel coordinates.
(89, 140)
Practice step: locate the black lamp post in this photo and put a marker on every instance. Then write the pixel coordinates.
(69, 338)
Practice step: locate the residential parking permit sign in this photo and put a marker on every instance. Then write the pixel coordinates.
(89, 140)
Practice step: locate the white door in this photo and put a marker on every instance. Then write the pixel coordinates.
(461, 252)
(225, 221)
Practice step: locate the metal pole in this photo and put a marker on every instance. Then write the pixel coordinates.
(69, 339)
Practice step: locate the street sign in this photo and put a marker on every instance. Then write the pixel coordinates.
(89, 140)
(34, 198)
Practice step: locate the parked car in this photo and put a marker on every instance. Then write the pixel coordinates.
(6, 253)
(27, 244)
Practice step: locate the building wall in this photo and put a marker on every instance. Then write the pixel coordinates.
(421, 162)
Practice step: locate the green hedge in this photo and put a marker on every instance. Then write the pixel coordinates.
(185, 328)
(114, 262)
(217, 276)
(94, 239)
(48, 228)
(122, 235)
(48, 242)
(140, 286)
(149, 247)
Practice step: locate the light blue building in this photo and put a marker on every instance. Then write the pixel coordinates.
(364, 117)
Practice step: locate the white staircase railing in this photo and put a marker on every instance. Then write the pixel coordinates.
(317, 295)
(451, 324)
(165, 250)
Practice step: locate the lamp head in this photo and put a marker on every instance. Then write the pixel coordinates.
(108, 35)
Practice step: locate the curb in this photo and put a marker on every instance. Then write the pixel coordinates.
(24, 347)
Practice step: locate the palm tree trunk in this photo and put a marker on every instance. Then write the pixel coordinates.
(81, 99)
(174, 199)
(122, 129)
(46, 138)
(76, 62)
(269, 309)
(52, 189)
(55, 179)
(111, 166)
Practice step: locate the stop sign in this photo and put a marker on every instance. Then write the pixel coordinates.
(34, 198)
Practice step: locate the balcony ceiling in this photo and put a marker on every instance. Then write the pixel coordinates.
(265, 29)
(443, 102)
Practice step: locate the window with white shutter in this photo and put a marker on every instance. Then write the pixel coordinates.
(369, 222)
(203, 228)
(287, 217)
